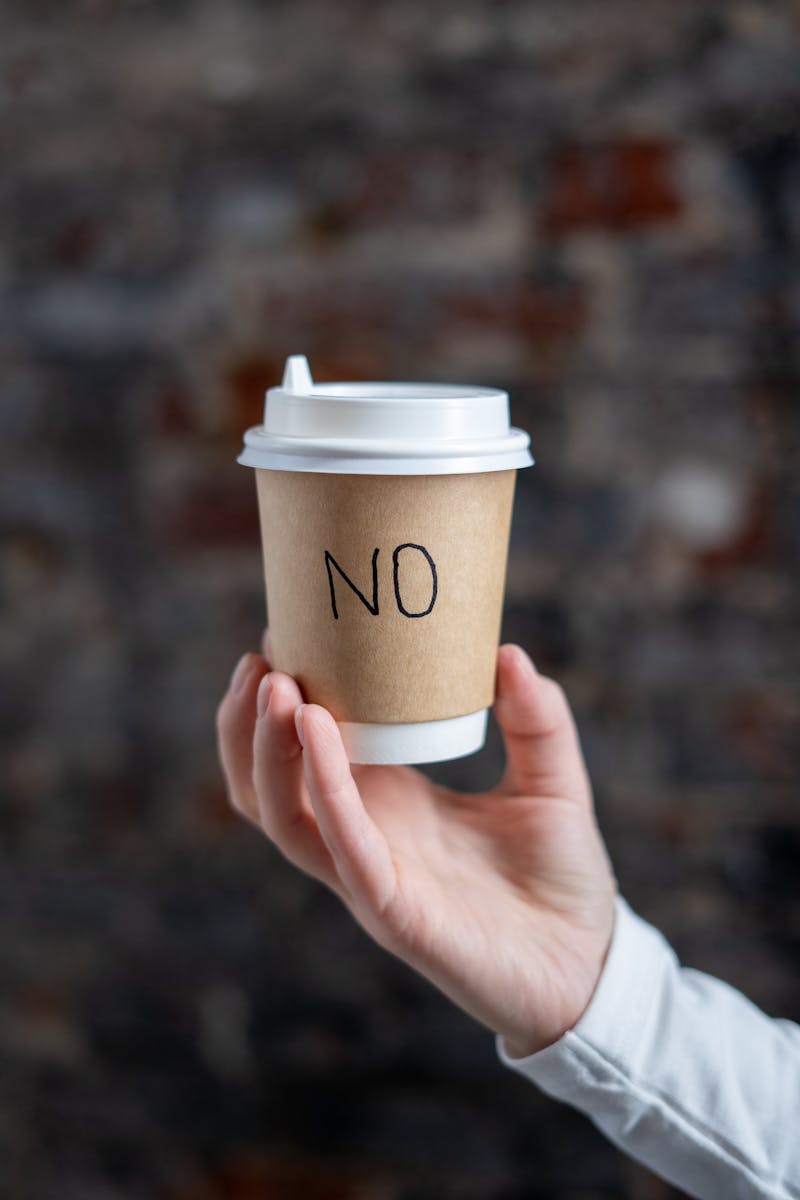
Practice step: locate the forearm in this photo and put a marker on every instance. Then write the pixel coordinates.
(682, 1072)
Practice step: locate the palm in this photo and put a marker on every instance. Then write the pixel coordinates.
(478, 876)
(510, 845)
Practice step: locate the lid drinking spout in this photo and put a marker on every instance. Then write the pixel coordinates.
(297, 375)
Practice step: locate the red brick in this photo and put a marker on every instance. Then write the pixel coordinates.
(245, 382)
(212, 512)
(77, 241)
(253, 1176)
(752, 543)
(763, 728)
(173, 412)
(619, 185)
(529, 308)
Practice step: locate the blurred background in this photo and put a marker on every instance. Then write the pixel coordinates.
(593, 204)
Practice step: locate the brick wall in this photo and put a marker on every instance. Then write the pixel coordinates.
(596, 205)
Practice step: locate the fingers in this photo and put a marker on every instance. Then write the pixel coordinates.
(543, 752)
(306, 801)
(236, 717)
(356, 844)
(283, 806)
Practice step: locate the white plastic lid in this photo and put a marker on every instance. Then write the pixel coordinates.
(383, 428)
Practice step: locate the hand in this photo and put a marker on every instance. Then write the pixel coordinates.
(503, 899)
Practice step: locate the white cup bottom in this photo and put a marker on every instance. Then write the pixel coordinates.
(420, 742)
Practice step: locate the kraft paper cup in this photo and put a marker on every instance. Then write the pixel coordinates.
(385, 517)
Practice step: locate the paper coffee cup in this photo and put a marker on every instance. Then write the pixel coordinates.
(385, 517)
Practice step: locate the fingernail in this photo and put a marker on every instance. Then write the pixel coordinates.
(298, 723)
(264, 689)
(240, 673)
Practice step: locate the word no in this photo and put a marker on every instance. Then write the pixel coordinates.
(330, 562)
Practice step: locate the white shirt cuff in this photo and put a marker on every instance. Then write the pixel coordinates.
(617, 1013)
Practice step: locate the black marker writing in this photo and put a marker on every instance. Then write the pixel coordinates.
(395, 578)
(373, 608)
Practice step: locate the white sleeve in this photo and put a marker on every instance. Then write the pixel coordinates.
(682, 1072)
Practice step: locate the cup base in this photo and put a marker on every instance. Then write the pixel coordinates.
(415, 742)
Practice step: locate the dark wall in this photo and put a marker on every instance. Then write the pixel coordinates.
(593, 204)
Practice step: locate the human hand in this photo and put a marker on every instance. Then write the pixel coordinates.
(503, 899)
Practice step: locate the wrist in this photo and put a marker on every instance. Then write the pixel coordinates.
(581, 970)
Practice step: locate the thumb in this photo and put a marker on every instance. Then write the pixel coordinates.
(542, 748)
